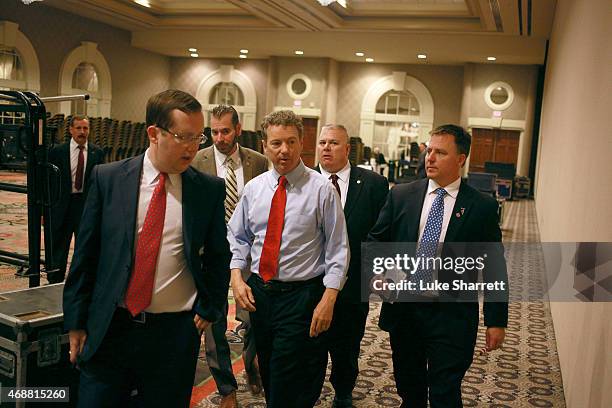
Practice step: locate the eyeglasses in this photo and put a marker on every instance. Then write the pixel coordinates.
(185, 139)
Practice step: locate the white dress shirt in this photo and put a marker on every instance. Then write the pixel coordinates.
(449, 203)
(343, 180)
(220, 163)
(314, 239)
(74, 162)
(174, 287)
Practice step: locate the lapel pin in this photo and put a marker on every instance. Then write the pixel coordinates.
(358, 181)
(458, 214)
(462, 210)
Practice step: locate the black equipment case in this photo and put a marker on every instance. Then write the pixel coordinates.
(33, 344)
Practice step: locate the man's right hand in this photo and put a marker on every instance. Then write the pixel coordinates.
(242, 292)
(77, 341)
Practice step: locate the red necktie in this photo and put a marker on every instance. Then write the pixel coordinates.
(334, 180)
(78, 178)
(268, 263)
(140, 289)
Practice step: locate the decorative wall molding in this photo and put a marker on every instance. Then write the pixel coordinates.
(99, 103)
(10, 36)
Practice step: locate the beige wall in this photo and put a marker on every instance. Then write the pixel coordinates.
(443, 82)
(574, 186)
(135, 74)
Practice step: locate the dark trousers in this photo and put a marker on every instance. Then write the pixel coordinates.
(62, 236)
(344, 336)
(218, 355)
(249, 349)
(157, 357)
(433, 346)
(291, 363)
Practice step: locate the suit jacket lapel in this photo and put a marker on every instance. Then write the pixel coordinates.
(413, 209)
(354, 189)
(208, 161)
(247, 167)
(189, 218)
(460, 212)
(129, 190)
(67, 174)
(91, 156)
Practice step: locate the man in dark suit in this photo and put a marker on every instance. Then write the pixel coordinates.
(237, 165)
(150, 269)
(75, 159)
(363, 194)
(432, 337)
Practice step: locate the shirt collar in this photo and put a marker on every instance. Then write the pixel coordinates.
(150, 173)
(221, 158)
(343, 174)
(74, 145)
(292, 177)
(452, 189)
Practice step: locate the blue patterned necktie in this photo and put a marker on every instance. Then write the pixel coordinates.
(431, 236)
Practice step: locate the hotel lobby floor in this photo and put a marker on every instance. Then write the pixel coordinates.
(524, 373)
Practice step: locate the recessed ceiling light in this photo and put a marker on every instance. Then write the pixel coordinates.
(244, 51)
(359, 54)
(194, 54)
(242, 56)
(369, 59)
(421, 56)
(193, 50)
(299, 52)
(491, 58)
(143, 3)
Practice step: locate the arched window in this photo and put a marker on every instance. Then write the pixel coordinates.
(397, 109)
(229, 86)
(396, 122)
(11, 64)
(85, 70)
(84, 79)
(226, 93)
(19, 68)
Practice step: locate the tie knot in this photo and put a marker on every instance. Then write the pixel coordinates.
(440, 192)
(162, 179)
(334, 178)
(282, 181)
(229, 162)
(80, 147)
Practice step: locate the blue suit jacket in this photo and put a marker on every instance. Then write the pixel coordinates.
(104, 253)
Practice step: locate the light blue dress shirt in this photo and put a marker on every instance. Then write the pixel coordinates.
(314, 239)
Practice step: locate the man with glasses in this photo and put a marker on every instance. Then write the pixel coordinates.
(237, 165)
(150, 269)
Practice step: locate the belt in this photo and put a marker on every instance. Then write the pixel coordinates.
(144, 317)
(281, 286)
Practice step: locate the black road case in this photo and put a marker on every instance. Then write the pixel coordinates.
(33, 344)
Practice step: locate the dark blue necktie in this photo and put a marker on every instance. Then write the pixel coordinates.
(431, 236)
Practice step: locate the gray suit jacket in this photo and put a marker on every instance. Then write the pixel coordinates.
(253, 163)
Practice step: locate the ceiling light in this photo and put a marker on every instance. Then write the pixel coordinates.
(193, 50)
(299, 52)
(194, 54)
(421, 56)
(243, 56)
(359, 54)
(143, 3)
(244, 51)
(342, 3)
(491, 58)
(369, 59)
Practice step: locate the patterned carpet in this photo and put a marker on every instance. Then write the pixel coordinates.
(524, 373)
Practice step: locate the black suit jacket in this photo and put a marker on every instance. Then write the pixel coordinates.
(366, 195)
(104, 253)
(474, 220)
(60, 157)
